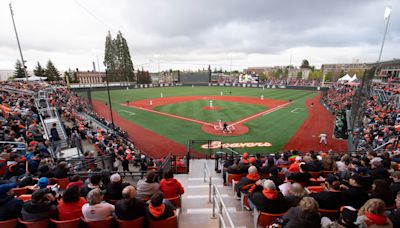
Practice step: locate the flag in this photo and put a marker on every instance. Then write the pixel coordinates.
(387, 12)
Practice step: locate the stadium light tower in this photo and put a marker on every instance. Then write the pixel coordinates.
(19, 46)
(386, 16)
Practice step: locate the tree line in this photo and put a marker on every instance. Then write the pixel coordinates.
(50, 71)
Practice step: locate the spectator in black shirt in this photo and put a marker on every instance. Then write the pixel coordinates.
(381, 190)
(115, 187)
(354, 195)
(395, 186)
(10, 207)
(301, 177)
(61, 170)
(394, 216)
(129, 208)
(330, 199)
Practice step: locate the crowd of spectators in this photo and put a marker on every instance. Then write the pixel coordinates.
(380, 125)
(365, 189)
(28, 166)
(292, 82)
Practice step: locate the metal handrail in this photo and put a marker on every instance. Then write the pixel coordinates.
(207, 173)
(216, 197)
(221, 209)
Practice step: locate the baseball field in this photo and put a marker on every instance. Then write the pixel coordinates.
(162, 120)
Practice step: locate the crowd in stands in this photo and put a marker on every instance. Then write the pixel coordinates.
(292, 82)
(363, 190)
(380, 119)
(29, 168)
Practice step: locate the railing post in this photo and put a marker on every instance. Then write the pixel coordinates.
(213, 208)
(204, 172)
(209, 190)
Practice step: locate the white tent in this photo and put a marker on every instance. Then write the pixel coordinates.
(32, 78)
(345, 78)
(354, 78)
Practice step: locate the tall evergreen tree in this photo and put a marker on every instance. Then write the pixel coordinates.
(38, 71)
(19, 70)
(51, 72)
(117, 58)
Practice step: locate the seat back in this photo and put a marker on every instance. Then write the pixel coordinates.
(136, 223)
(62, 182)
(315, 174)
(106, 223)
(315, 189)
(37, 224)
(20, 191)
(25, 197)
(73, 223)
(324, 173)
(12, 223)
(171, 222)
(266, 219)
(332, 214)
(175, 201)
(234, 177)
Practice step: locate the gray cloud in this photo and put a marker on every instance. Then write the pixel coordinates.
(207, 31)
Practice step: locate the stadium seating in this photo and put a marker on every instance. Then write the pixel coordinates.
(12, 223)
(106, 223)
(73, 223)
(171, 222)
(137, 223)
(37, 224)
(262, 219)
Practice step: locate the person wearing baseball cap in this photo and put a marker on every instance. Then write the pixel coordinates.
(10, 207)
(41, 206)
(354, 195)
(115, 187)
(330, 199)
(245, 160)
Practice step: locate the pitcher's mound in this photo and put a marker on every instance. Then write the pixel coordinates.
(240, 129)
(213, 108)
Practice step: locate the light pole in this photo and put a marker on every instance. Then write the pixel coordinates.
(19, 46)
(109, 100)
(388, 10)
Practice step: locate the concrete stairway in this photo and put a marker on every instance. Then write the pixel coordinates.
(196, 211)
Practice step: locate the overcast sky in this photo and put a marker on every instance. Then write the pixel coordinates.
(190, 34)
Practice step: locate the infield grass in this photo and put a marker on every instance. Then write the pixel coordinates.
(277, 127)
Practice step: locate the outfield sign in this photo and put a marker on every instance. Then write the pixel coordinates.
(217, 144)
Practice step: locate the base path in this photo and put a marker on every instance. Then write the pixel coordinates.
(319, 120)
(152, 143)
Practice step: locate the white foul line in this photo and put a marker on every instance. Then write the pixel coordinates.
(266, 112)
(130, 113)
(294, 110)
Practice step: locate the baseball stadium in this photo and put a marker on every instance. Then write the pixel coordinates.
(219, 129)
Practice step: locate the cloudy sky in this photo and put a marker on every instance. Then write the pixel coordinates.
(190, 34)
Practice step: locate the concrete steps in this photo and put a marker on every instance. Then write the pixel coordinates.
(196, 209)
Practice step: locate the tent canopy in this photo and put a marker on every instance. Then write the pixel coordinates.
(345, 78)
(32, 78)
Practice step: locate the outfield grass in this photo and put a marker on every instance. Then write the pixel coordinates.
(277, 127)
(230, 111)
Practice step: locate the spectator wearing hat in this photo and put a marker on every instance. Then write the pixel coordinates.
(41, 206)
(158, 210)
(302, 176)
(304, 215)
(115, 187)
(43, 182)
(146, 188)
(330, 199)
(10, 207)
(269, 200)
(294, 167)
(381, 190)
(96, 209)
(244, 162)
(354, 195)
(129, 208)
(348, 215)
(377, 170)
(394, 216)
(170, 186)
(395, 186)
(372, 214)
(94, 182)
(70, 206)
(61, 171)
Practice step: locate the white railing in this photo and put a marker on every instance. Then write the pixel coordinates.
(217, 202)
